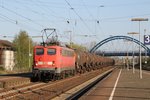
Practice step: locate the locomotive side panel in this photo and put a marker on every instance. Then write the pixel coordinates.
(67, 59)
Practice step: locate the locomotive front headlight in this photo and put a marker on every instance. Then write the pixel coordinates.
(50, 63)
(40, 63)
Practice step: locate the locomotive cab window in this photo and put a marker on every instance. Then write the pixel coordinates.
(51, 51)
(39, 51)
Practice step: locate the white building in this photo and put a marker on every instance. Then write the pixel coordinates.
(6, 55)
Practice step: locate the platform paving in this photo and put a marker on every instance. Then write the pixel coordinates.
(129, 86)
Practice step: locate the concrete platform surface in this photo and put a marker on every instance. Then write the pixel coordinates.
(122, 84)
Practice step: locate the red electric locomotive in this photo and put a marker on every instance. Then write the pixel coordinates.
(52, 61)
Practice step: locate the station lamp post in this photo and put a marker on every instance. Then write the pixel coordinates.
(132, 49)
(127, 56)
(139, 20)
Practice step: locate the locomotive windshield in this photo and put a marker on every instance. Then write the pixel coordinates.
(51, 51)
(39, 51)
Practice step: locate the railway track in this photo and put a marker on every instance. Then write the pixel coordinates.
(49, 90)
(11, 92)
(78, 91)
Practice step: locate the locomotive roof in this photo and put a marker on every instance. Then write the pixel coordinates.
(39, 46)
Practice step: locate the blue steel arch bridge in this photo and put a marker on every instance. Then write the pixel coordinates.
(123, 53)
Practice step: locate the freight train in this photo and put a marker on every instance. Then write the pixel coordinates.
(55, 62)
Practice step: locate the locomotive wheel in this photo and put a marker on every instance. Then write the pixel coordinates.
(57, 76)
(67, 73)
(73, 72)
(45, 77)
(53, 77)
(34, 78)
(62, 75)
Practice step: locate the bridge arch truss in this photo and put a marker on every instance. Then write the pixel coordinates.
(116, 38)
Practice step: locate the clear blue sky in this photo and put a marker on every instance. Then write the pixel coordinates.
(114, 17)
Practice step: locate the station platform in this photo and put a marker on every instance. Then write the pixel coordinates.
(122, 84)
